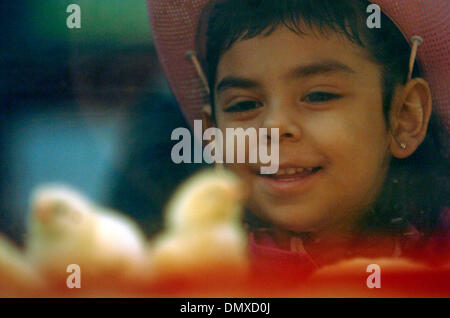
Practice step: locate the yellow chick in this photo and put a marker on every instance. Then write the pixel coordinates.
(65, 228)
(203, 227)
(17, 277)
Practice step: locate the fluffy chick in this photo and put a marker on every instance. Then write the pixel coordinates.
(203, 226)
(17, 276)
(65, 228)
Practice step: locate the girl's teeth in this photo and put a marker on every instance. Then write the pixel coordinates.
(292, 171)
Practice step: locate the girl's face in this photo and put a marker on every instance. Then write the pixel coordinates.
(325, 97)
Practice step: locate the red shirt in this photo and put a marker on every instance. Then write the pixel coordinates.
(269, 258)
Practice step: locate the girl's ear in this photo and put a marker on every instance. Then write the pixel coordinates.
(409, 117)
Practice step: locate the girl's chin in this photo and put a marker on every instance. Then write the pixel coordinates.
(294, 218)
(305, 225)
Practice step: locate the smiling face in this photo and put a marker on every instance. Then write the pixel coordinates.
(325, 97)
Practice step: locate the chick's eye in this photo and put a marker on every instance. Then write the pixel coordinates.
(319, 97)
(243, 106)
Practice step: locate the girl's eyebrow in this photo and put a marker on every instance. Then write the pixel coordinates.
(235, 82)
(315, 68)
(323, 66)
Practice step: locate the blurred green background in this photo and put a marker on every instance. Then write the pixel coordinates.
(107, 22)
(86, 107)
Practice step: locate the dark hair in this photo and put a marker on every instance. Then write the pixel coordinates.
(224, 22)
(416, 188)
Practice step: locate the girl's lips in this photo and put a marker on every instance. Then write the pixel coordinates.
(289, 183)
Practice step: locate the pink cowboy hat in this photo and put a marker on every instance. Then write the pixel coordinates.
(174, 25)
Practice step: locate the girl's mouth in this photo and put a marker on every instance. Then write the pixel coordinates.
(288, 174)
(289, 179)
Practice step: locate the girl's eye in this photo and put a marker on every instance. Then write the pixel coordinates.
(320, 97)
(243, 106)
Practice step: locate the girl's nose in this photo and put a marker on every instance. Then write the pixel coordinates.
(283, 118)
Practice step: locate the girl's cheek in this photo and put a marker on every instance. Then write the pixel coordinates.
(351, 146)
(327, 135)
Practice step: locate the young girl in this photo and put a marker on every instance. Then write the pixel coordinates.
(363, 167)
